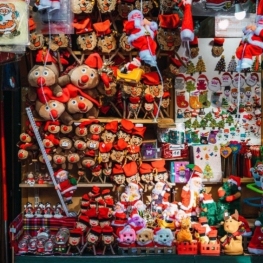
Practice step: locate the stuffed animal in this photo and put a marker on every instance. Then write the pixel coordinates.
(232, 242)
(255, 245)
(126, 237)
(82, 6)
(163, 237)
(184, 234)
(144, 237)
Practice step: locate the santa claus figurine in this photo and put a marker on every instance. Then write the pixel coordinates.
(251, 43)
(191, 195)
(65, 185)
(141, 34)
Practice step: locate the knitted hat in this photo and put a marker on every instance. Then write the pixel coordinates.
(105, 147)
(117, 169)
(130, 169)
(139, 131)
(145, 168)
(120, 145)
(112, 126)
(105, 192)
(159, 166)
(102, 28)
(170, 21)
(126, 125)
(235, 180)
(75, 232)
(187, 30)
(194, 43)
(218, 41)
(151, 78)
(83, 26)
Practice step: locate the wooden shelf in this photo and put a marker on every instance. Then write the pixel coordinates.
(243, 180)
(80, 185)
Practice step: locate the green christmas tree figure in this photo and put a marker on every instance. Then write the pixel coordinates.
(200, 65)
(209, 116)
(190, 85)
(256, 65)
(229, 120)
(194, 137)
(196, 124)
(212, 123)
(221, 124)
(203, 123)
(221, 65)
(208, 172)
(190, 68)
(188, 124)
(232, 65)
(215, 148)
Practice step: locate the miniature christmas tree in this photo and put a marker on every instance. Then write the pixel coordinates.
(229, 119)
(196, 124)
(215, 148)
(209, 116)
(200, 65)
(221, 65)
(232, 65)
(212, 123)
(194, 137)
(256, 65)
(190, 86)
(203, 123)
(188, 124)
(190, 68)
(208, 173)
(221, 124)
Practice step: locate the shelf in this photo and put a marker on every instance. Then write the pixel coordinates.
(80, 185)
(243, 180)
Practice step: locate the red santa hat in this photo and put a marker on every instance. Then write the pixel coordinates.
(94, 60)
(102, 28)
(195, 176)
(112, 126)
(120, 145)
(104, 213)
(134, 100)
(105, 147)
(92, 213)
(156, 230)
(85, 198)
(109, 202)
(95, 190)
(194, 43)
(86, 123)
(259, 17)
(170, 21)
(106, 192)
(151, 78)
(139, 131)
(145, 168)
(187, 30)
(134, 12)
(203, 77)
(126, 126)
(43, 56)
(130, 169)
(59, 172)
(117, 169)
(120, 219)
(83, 26)
(166, 95)
(180, 77)
(218, 41)
(235, 180)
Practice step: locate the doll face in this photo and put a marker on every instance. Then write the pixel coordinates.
(81, 226)
(74, 241)
(134, 91)
(155, 91)
(124, 9)
(53, 129)
(119, 179)
(106, 6)
(87, 41)
(131, 179)
(93, 222)
(107, 239)
(36, 41)
(93, 145)
(79, 104)
(165, 103)
(167, 38)
(173, 69)
(73, 158)
(132, 156)
(65, 143)
(80, 145)
(92, 239)
(148, 106)
(136, 140)
(117, 156)
(123, 135)
(217, 51)
(88, 162)
(107, 43)
(58, 41)
(79, 6)
(147, 178)
(108, 136)
(53, 108)
(59, 159)
(105, 157)
(95, 129)
(123, 42)
(65, 129)
(97, 173)
(161, 177)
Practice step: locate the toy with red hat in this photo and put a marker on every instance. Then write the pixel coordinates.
(202, 82)
(126, 236)
(215, 84)
(74, 240)
(104, 151)
(252, 79)
(250, 44)
(93, 238)
(125, 130)
(65, 184)
(217, 48)
(130, 170)
(110, 131)
(149, 106)
(118, 176)
(133, 107)
(226, 79)
(194, 47)
(134, 153)
(118, 152)
(36, 39)
(168, 35)
(83, 7)
(107, 238)
(163, 237)
(146, 173)
(137, 136)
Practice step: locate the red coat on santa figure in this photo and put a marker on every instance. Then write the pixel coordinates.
(190, 195)
(252, 41)
(141, 33)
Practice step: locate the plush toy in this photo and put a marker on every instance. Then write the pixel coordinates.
(74, 240)
(109, 133)
(93, 238)
(118, 151)
(209, 209)
(251, 43)
(184, 234)
(36, 39)
(81, 6)
(163, 237)
(65, 185)
(257, 172)
(141, 34)
(255, 245)
(107, 238)
(118, 176)
(232, 241)
(144, 237)
(126, 237)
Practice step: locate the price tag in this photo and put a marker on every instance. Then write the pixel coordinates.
(64, 144)
(92, 145)
(176, 153)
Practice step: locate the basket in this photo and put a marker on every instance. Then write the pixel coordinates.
(186, 248)
(212, 249)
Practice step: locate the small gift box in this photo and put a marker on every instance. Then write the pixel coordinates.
(149, 149)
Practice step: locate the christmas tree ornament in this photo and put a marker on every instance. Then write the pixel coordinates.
(238, 80)
(181, 100)
(217, 48)
(179, 81)
(194, 102)
(168, 36)
(202, 82)
(252, 79)
(226, 79)
(190, 69)
(232, 65)
(135, 28)
(203, 98)
(215, 84)
(221, 65)
(106, 37)
(200, 65)
(194, 49)
(250, 44)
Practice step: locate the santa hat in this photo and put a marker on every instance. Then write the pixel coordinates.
(109, 202)
(120, 219)
(59, 172)
(151, 78)
(105, 147)
(45, 94)
(43, 57)
(187, 30)
(194, 43)
(91, 213)
(94, 60)
(106, 192)
(95, 230)
(149, 98)
(83, 26)
(112, 126)
(107, 231)
(95, 169)
(189, 78)
(75, 232)
(203, 77)
(218, 41)
(180, 77)
(86, 123)
(226, 76)
(156, 230)
(84, 220)
(126, 126)
(254, 76)
(102, 28)
(130, 169)
(120, 145)
(159, 166)
(259, 16)
(117, 169)
(133, 12)
(139, 131)
(95, 190)
(145, 168)
(170, 21)
(195, 176)
(235, 180)
(104, 213)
